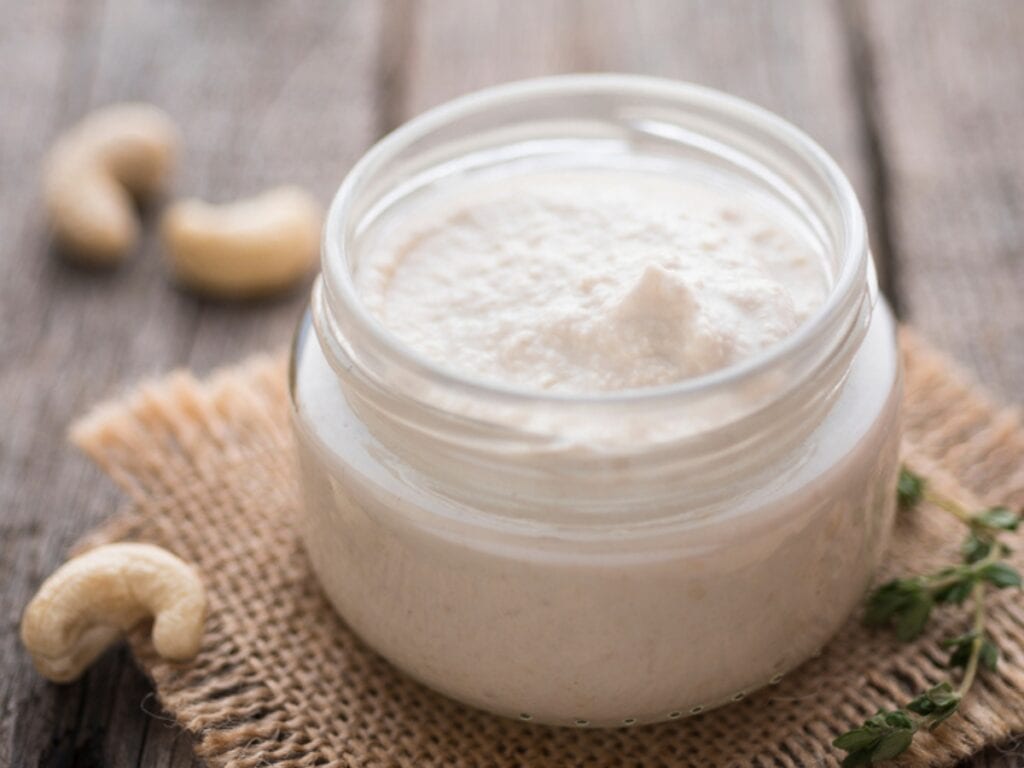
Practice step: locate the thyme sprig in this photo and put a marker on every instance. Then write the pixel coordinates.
(906, 604)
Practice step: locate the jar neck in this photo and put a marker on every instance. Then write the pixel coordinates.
(517, 471)
(528, 454)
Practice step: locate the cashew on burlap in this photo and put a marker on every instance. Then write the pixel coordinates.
(95, 597)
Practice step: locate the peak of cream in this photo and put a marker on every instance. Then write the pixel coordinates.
(584, 281)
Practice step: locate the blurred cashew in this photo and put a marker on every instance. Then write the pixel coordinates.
(94, 170)
(251, 247)
(93, 598)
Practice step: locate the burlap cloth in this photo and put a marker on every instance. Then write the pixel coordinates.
(281, 681)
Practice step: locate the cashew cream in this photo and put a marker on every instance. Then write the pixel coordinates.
(597, 411)
(582, 281)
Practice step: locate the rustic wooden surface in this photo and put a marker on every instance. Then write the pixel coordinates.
(921, 101)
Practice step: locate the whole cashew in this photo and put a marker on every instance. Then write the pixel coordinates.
(95, 168)
(251, 247)
(90, 600)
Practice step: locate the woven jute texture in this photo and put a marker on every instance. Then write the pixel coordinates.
(281, 681)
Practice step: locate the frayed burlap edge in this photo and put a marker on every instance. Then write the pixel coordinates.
(281, 681)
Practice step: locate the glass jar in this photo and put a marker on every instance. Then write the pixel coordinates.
(496, 544)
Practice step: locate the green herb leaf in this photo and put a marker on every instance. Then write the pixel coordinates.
(942, 714)
(905, 603)
(956, 592)
(876, 721)
(882, 736)
(951, 642)
(909, 489)
(1001, 575)
(857, 739)
(890, 746)
(921, 705)
(857, 759)
(910, 623)
(936, 704)
(943, 694)
(962, 648)
(975, 548)
(1000, 518)
(936, 699)
(888, 600)
(899, 719)
(989, 655)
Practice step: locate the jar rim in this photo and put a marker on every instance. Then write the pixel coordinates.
(854, 262)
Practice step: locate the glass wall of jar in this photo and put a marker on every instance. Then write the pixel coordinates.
(613, 558)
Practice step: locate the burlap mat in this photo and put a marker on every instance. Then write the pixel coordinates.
(281, 681)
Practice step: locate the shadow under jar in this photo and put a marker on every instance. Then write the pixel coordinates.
(570, 559)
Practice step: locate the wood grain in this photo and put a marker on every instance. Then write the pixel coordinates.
(945, 98)
(921, 101)
(265, 93)
(948, 87)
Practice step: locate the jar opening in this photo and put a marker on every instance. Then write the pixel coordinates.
(649, 115)
(475, 439)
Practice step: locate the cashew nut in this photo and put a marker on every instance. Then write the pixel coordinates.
(90, 600)
(251, 247)
(95, 168)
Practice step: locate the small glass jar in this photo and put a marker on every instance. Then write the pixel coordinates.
(496, 545)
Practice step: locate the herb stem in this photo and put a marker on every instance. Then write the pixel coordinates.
(950, 505)
(906, 604)
(978, 597)
(938, 582)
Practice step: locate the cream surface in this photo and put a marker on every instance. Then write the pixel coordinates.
(582, 281)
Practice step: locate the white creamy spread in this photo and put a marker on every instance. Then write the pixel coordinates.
(583, 281)
(569, 568)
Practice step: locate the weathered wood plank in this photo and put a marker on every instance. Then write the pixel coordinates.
(265, 94)
(946, 93)
(63, 339)
(293, 91)
(307, 109)
(948, 87)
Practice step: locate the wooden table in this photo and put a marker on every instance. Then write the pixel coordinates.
(921, 101)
